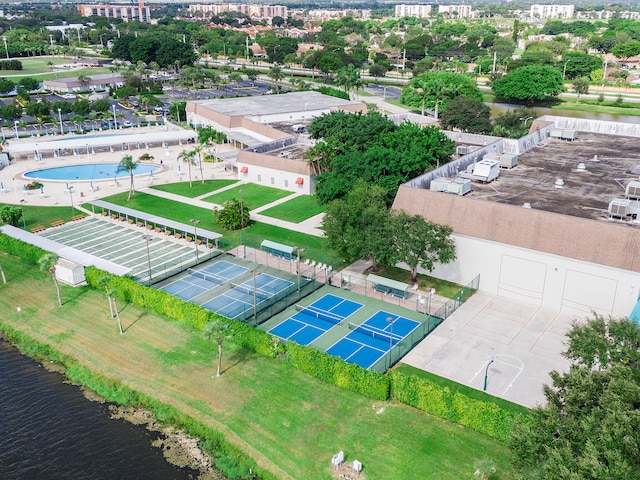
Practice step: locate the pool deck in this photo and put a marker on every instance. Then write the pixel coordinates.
(55, 194)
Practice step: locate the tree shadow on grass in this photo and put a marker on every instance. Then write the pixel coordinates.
(239, 356)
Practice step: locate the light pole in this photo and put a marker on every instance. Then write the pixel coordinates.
(73, 212)
(60, 119)
(6, 50)
(24, 220)
(15, 126)
(432, 292)
(390, 322)
(147, 239)
(115, 121)
(486, 370)
(299, 251)
(195, 234)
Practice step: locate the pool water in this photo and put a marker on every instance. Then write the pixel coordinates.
(90, 171)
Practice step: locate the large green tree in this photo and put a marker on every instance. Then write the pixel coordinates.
(468, 115)
(530, 84)
(590, 427)
(372, 148)
(433, 90)
(359, 225)
(422, 243)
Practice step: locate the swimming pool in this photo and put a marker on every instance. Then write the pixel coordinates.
(89, 171)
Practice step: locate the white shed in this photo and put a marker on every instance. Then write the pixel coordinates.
(70, 272)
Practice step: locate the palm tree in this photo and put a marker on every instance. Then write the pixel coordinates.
(197, 150)
(48, 263)
(187, 157)
(219, 330)
(83, 79)
(127, 164)
(276, 74)
(103, 280)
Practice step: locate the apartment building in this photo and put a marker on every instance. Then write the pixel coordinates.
(418, 11)
(126, 12)
(262, 12)
(552, 11)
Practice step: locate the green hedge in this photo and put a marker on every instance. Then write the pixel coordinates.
(232, 462)
(26, 251)
(483, 417)
(336, 371)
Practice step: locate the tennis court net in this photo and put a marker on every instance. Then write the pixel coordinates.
(376, 333)
(261, 294)
(320, 314)
(207, 276)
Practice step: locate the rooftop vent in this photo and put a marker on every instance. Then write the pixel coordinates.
(559, 183)
(581, 167)
(526, 205)
(595, 158)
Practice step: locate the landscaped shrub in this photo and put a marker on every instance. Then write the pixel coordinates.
(11, 65)
(333, 92)
(29, 253)
(483, 417)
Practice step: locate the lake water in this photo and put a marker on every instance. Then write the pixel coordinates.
(49, 430)
(497, 108)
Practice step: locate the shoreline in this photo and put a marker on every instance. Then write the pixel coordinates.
(178, 447)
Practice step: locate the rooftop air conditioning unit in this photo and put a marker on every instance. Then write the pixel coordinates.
(619, 207)
(459, 186)
(463, 149)
(440, 184)
(555, 133)
(507, 160)
(486, 170)
(568, 134)
(633, 190)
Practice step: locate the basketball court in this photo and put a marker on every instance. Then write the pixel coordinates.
(495, 341)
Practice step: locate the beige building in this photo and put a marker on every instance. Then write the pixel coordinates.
(270, 132)
(419, 11)
(126, 12)
(263, 12)
(93, 83)
(552, 11)
(456, 11)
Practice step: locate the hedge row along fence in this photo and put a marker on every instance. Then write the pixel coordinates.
(231, 461)
(484, 417)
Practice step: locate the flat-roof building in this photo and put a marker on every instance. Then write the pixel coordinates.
(126, 12)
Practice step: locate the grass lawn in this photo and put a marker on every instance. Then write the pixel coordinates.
(425, 282)
(38, 68)
(290, 423)
(296, 210)
(253, 195)
(199, 188)
(251, 235)
(36, 216)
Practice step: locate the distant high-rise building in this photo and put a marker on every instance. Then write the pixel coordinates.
(458, 11)
(552, 11)
(265, 12)
(126, 12)
(419, 11)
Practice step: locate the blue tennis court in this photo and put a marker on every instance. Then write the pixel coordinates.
(204, 279)
(243, 297)
(367, 343)
(309, 322)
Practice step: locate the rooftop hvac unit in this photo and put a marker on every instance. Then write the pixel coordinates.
(486, 170)
(463, 149)
(459, 186)
(581, 167)
(440, 184)
(568, 134)
(555, 133)
(286, 154)
(619, 207)
(506, 160)
(633, 190)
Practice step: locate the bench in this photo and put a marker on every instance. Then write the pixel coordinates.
(114, 216)
(168, 232)
(209, 245)
(77, 217)
(158, 229)
(149, 227)
(189, 239)
(104, 214)
(198, 242)
(178, 236)
(139, 224)
(39, 228)
(381, 288)
(399, 293)
(130, 221)
(57, 223)
(121, 218)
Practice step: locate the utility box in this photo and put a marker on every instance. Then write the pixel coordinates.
(459, 186)
(506, 160)
(486, 170)
(440, 184)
